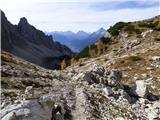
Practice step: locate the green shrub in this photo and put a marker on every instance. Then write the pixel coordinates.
(114, 30)
(152, 25)
(134, 58)
(131, 29)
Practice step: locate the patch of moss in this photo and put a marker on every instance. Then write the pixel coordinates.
(9, 94)
(134, 58)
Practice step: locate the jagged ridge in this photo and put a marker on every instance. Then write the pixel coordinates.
(25, 41)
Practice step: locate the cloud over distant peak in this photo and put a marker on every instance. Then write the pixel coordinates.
(88, 15)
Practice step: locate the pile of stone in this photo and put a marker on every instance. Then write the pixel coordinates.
(98, 76)
(137, 97)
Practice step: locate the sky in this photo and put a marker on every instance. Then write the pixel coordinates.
(75, 15)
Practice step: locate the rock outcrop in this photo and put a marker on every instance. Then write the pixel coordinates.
(25, 41)
(98, 75)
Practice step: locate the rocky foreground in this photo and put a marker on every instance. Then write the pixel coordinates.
(30, 92)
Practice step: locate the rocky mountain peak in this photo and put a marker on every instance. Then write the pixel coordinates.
(3, 17)
(2, 14)
(29, 43)
(23, 20)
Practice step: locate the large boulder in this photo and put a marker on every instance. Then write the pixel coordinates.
(43, 108)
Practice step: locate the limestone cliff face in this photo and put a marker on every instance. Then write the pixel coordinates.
(25, 41)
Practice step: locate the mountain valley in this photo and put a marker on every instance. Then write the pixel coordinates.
(77, 41)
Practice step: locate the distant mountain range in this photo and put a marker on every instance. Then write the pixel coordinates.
(77, 41)
(25, 41)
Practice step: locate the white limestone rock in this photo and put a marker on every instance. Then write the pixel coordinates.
(141, 88)
(38, 109)
(108, 91)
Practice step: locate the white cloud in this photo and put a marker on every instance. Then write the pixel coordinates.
(49, 15)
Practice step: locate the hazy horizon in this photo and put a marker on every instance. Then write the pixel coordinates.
(66, 15)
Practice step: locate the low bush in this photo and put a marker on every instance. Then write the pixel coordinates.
(152, 25)
(114, 30)
(134, 58)
(131, 29)
(105, 40)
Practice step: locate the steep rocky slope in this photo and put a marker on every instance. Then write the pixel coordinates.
(33, 45)
(135, 53)
(34, 93)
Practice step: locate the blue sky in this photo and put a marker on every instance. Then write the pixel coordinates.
(74, 15)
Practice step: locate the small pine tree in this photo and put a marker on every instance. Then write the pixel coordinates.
(63, 64)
